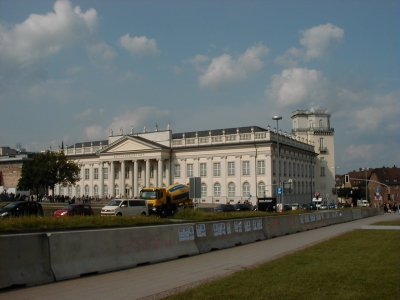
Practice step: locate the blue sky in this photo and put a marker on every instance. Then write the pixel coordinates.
(72, 70)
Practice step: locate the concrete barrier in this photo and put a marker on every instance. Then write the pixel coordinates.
(226, 234)
(78, 253)
(312, 221)
(365, 213)
(281, 225)
(356, 214)
(346, 215)
(331, 217)
(24, 260)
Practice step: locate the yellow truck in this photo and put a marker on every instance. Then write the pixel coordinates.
(166, 201)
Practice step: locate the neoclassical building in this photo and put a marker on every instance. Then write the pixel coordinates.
(234, 164)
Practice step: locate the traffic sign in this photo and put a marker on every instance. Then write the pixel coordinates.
(279, 191)
(378, 190)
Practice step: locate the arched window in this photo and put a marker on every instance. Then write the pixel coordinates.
(78, 190)
(321, 123)
(70, 190)
(61, 190)
(96, 190)
(86, 190)
(105, 190)
(217, 190)
(261, 189)
(231, 189)
(116, 190)
(203, 190)
(246, 189)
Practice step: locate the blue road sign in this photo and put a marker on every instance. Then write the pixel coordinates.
(279, 191)
(378, 190)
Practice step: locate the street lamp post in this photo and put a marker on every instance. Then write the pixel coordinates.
(366, 183)
(277, 118)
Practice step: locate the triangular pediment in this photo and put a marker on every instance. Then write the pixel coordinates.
(128, 144)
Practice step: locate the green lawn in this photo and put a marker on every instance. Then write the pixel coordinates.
(363, 264)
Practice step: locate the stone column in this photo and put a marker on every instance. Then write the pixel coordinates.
(111, 180)
(159, 172)
(101, 180)
(91, 175)
(147, 175)
(167, 172)
(135, 178)
(122, 179)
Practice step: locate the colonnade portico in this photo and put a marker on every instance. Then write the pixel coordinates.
(120, 177)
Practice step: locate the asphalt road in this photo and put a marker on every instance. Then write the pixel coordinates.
(159, 280)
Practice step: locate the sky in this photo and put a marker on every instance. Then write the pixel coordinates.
(72, 70)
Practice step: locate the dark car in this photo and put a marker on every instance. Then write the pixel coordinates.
(243, 207)
(75, 210)
(332, 206)
(224, 208)
(308, 206)
(287, 207)
(346, 204)
(21, 208)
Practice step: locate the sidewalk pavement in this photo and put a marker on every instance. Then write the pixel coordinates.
(160, 280)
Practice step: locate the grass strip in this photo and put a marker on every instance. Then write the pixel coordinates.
(362, 264)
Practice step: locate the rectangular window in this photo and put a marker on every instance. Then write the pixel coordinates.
(116, 173)
(261, 167)
(231, 168)
(203, 190)
(322, 171)
(177, 171)
(96, 173)
(217, 190)
(105, 173)
(189, 170)
(126, 172)
(139, 172)
(151, 171)
(86, 174)
(217, 169)
(246, 167)
(273, 167)
(290, 169)
(164, 171)
(203, 169)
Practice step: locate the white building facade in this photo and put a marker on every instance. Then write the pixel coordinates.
(234, 164)
(314, 126)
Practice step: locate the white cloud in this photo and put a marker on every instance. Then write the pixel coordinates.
(317, 42)
(40, 36)
(101, 54)
(296, 86)
(224, 70)
(319, 39)
(89, 115)
(138, 45)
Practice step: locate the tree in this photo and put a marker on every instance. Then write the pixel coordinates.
(46, 170)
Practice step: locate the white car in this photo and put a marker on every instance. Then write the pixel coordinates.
(295, 206)
(364, 203)
(126, 207)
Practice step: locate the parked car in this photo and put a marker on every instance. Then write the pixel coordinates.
(128, 207)
(243, 207)
(364, 203)
(287, 207)
(345, 205)
(332, 206)
(76, 209)
(224, 208)
(21, 208)
(309, 206)
(295, 206)
(323, 206)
